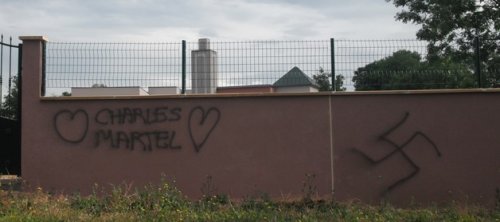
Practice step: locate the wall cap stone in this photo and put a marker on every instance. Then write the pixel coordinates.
(34, 38)
(242, 95)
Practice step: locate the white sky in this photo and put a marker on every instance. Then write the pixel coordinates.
(220, 20)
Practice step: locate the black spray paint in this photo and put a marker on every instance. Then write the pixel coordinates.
(131, 140)
(399, 149)
(202, 127)
(67, 115)
(162, 117)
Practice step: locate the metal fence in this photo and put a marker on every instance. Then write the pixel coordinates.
(489, 69)
(111, 65)
(259, 63)
(9, 72)
(350, 55)
(152, 65)
(210, 67)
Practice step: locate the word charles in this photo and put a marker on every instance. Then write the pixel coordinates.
(145, 140)
(130, 116)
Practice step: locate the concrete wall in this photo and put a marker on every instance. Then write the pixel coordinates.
(423, 146)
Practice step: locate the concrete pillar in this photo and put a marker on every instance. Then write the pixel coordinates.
(31, 83)
(204, 68)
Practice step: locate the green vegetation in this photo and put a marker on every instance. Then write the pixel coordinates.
(324, 82)
(9, 107)
(451, 29)
(166, 203)
(407, 70)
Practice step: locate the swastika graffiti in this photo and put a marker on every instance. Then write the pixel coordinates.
(399, 148)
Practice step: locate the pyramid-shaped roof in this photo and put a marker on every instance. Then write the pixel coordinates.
(295, 77)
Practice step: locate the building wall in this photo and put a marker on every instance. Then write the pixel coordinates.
(295, 89)
(246, 89)
(108, 91)
(163, 90)
(403, 147)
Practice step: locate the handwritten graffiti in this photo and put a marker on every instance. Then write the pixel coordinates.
(135, 115)
(130, 140)
(201, 124)
(124, 127)
(399, 148)
(66, 119)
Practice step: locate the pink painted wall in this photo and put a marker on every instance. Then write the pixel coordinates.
(185, 139)
(456, 147)
(267, 143)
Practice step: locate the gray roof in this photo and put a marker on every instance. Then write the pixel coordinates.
(295, 77)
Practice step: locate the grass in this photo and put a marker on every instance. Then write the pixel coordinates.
(166, 203)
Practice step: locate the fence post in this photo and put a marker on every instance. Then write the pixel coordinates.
(10, 67)
(32, 69)
(332, 60)
(44, 76)
(183, 91)
(1, 70)
(477, 61)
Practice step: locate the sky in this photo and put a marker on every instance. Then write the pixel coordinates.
(220, 20)
(130, 21)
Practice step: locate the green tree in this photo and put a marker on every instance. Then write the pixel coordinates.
(451, 26)
(339, 83)
(97, 85)
(324, 82)
(406, 70)
(10, 105)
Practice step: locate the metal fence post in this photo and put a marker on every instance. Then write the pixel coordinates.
(10, 67)
(332, 60)
(477, 61)
(1, 71)
(183, 91)
(44, 76)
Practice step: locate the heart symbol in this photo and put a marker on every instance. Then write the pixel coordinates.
(72, 127)
(201, 125)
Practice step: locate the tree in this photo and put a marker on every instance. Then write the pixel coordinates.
(324, 82)
(97, 85)
(10, 105)
(339, 83)
(406, 70)
(451, 27)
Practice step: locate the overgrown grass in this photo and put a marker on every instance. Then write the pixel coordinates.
(166, 203)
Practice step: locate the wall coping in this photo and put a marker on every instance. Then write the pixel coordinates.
(34, 38)
(243, 95)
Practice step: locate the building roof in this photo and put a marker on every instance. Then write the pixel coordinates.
(295, 77)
